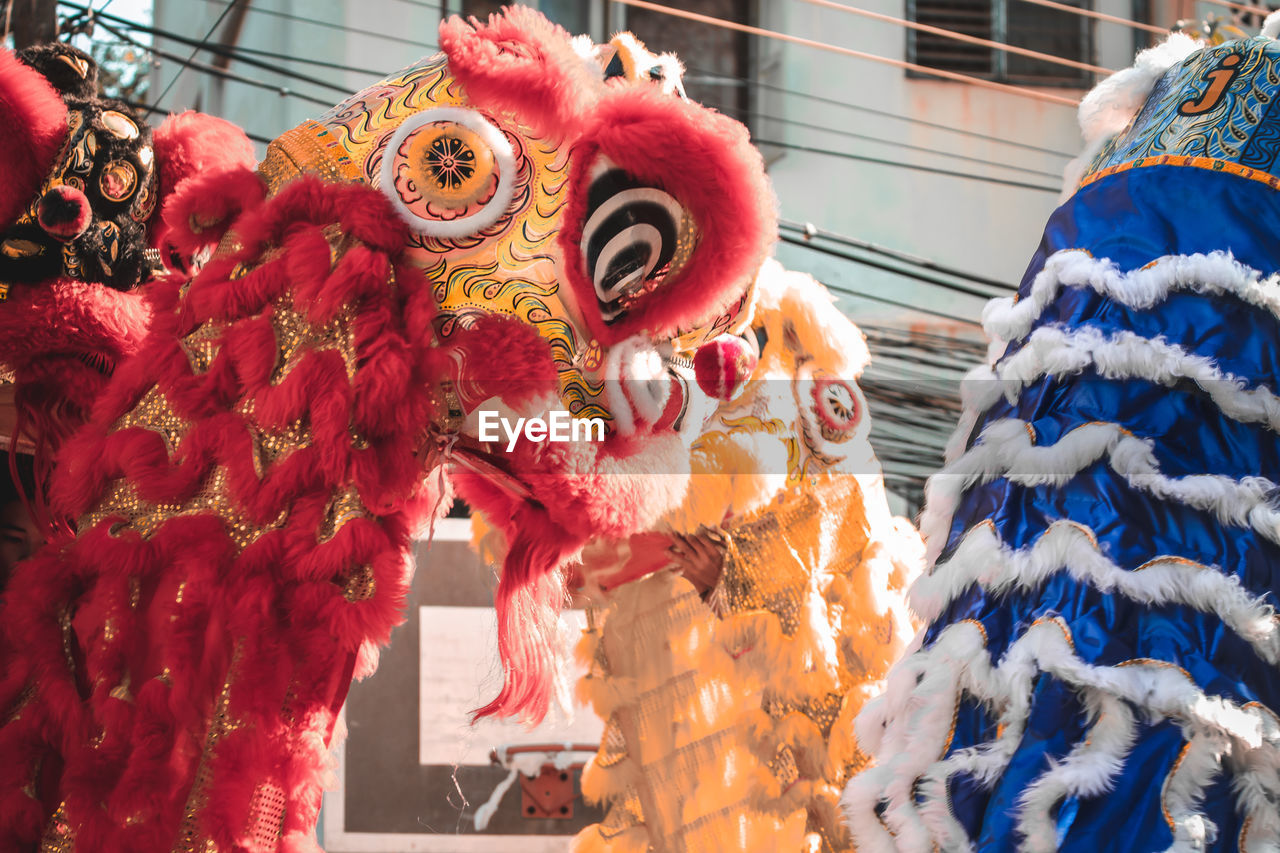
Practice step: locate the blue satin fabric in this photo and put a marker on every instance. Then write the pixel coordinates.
(1137, 216)
(1117, 218)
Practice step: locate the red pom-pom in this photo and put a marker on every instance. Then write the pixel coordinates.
(64, 212)
(723, 366)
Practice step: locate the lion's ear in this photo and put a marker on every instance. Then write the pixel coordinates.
(520, 63)
(34, 119)
(73, 73)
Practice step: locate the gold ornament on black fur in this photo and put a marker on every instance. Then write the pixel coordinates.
(88, 219)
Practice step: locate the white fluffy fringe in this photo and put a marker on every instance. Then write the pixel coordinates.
(1006, 449)
(982, 558)
(1053, 351)
(925, 690)
(1217, 273)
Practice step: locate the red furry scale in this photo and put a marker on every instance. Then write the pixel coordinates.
(35, 124)
(146, 678)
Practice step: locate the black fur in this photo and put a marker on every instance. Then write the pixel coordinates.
(112, 248)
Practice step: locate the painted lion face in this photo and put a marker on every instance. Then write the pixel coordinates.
(569, 187)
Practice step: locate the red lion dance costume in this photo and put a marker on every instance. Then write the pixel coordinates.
(520, 222)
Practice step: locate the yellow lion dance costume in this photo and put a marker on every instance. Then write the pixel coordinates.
(729, 712)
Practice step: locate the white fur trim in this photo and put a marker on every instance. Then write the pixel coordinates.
(925, 688)
(1271, 26)
(619, 406)
(1198, 764)
(1006, 449)
(1216, 273)
(1053, 351)
(983, 559)
(485, 812)
(1087, 771)
(503, 156)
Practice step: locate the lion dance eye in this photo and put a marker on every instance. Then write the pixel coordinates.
(635, 235)
(449, 172)
(836, 405)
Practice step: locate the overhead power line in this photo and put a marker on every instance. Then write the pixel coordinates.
(964, 37)
(903, 145)
(230, 5)
(1242, 7)
(1099, 16)
(872, 296)
(216, 49)
(902, 165)
(216, 72)
(306, 60)
(760, 84)
(342, 27)
(256, 137)
(235, 54)
(809, 230)
(846, 51)
(934, 281)
(237, 51)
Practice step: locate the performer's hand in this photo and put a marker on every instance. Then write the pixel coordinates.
(699, 556)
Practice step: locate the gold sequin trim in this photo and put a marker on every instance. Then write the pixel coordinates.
(59, 835)
(122, 501)
(359, 585)
(344, 506)
(267, 812)
(191, 838)
(154, 413)
(203, 345)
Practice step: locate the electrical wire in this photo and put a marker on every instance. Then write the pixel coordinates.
(231, 53)
(203, 68)
(234, 53)
(217, 50)
(847, 291)
(1242, 7)
(882, 113)
(305, 60)
(810, 230)
(342, 27)
(256, 137)
(230, 5)
(903, 145)
(963, 37)
(422, 4)
(846, 51)
(901, 165)
(1099, 16)
(230, 75)
(881, 265)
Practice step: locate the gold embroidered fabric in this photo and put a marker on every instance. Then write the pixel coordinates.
(762, 697)
(308, 148)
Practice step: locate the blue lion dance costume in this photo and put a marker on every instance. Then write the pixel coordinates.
(1099, 667)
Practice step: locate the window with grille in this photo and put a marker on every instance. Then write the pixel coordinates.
(717, 60)
(720, 64)
(1015, 22)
